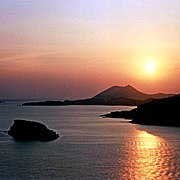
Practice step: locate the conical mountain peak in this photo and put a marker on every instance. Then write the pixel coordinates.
(115, 92)
(129, 86)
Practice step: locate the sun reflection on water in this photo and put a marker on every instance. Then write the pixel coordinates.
(146, 157)
(148, 141)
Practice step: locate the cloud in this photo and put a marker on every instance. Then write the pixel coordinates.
(15, 61)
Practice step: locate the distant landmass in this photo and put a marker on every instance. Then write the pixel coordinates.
(162, 112)
(116, 95)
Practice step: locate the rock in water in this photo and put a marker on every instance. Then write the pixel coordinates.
(23, 130)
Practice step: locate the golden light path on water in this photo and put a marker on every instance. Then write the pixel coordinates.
(147, 157)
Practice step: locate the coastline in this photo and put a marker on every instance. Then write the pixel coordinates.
(159, 112)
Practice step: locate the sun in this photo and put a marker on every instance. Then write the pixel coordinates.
(150, 67)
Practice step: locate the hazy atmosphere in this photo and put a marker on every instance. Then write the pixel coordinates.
(90, 89)
(75, 49)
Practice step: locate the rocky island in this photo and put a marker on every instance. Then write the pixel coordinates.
(23, 130)
(161, 112)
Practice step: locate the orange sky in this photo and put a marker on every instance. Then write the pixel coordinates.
(57, 49)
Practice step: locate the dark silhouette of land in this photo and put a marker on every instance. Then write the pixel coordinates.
(116, 95)
(23, 130)
(161, 112)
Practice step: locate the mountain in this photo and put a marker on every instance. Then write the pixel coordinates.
(128, 92)
(116, 95)
(161, 112)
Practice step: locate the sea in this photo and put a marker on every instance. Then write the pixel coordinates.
(89, 146)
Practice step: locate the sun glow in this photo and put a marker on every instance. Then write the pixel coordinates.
(150, 67)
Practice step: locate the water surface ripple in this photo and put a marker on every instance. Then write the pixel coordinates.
(89, 147)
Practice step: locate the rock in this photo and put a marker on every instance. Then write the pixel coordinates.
(23, 130)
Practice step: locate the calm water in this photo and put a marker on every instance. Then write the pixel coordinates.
(90, 147)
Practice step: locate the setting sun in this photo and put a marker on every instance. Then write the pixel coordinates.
(150, 67)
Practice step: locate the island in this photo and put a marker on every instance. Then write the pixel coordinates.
(114, 96)
(161, 112)
(23, 130)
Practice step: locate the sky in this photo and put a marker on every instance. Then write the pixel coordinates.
(71, 49)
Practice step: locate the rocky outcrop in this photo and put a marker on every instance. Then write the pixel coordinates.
(23, 130)
(162, 112)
